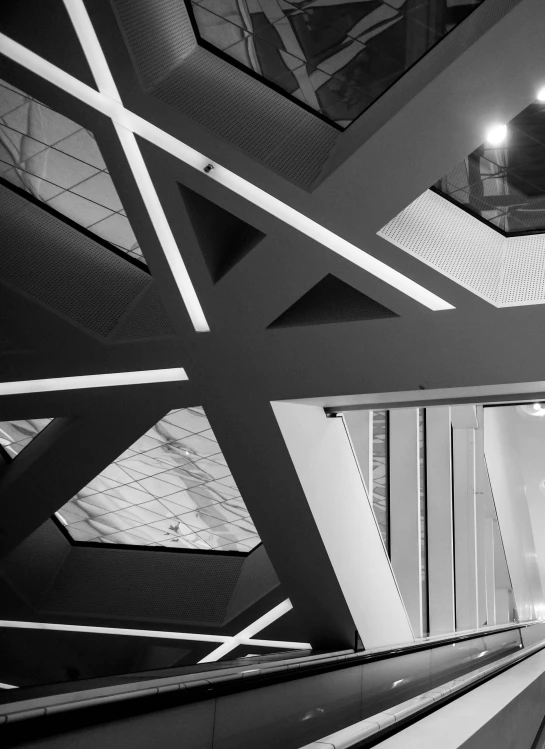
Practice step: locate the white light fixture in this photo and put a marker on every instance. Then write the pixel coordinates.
(111, 107)
(144, 377)
(532, 411)
(264, 621)
(243, 638)
(541, 94)
(496, 135)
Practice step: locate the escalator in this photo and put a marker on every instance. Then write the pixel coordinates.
(287, 700)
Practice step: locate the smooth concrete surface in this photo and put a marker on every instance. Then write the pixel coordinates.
(504, 713)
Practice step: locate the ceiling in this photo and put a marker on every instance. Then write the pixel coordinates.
(71, 322)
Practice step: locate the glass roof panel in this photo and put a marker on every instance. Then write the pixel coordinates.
(15, 435)
(505, 185)
(336, 57)
(59, 163)
(171, 488)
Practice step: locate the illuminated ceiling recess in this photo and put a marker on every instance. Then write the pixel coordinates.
(59, 163)
(483, 224)
(334, 58)
(502, 182)
(171, 488)
(107, 101)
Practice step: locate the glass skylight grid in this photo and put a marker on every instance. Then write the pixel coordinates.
(59, 162)
(171, 488)
(335, 57)
(17, 434)
(505, 185)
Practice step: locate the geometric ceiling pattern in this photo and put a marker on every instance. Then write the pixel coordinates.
(171, 488)
(59, 163)
(505, 185)
(506, 271)
(15, 435)
(335, 58)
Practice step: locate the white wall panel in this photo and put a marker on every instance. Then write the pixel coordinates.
(465, 528)
(360, 428)
(440, 521)
(324, 460)
(507, 481)
(490, 577)
(405, 538)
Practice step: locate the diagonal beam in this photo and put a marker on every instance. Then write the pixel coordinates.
(132, 123)
(63, 459)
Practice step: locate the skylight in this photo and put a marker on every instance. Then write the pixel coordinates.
(336, 58)
(171, 488)
(16, 435)
(505, 185)
(59, 163)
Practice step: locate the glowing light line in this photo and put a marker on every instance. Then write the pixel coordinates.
(80, 382)
(111, 107)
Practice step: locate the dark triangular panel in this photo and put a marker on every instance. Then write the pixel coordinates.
(330, 301)
(224, 239)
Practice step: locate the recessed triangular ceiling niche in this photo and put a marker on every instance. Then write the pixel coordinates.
(330, 301)
(224, 239)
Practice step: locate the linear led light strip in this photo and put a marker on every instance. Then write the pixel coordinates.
(243, 638)
(144, 377)
(249, 631)
(107, 101)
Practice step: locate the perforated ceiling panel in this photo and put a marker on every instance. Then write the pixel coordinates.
(63, 268)
(159, 35)
(523, 280)
(256, 119)
(506, 271)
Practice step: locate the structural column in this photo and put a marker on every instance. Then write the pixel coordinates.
(464, 423)
(405, 535)
(324, 460)
(442, 619)
(481, 481)
(490, 575)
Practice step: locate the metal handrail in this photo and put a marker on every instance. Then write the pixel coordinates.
(377, 727)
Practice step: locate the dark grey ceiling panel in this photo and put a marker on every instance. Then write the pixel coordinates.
(159, 36)
(50, 260)
(331, 300)
(224, 239)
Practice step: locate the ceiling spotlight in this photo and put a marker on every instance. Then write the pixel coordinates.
(541, 94)
(532, 411)
(496, 135)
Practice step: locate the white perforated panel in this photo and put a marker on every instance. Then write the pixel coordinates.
(523, 271)
(505, 271)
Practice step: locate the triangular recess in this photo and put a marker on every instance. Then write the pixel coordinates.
(331, 301)
(224, 239)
